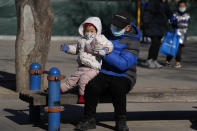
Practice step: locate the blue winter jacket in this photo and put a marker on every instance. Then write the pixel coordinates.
(122, 60)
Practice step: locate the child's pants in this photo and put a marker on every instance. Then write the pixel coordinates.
(81, 77)
(178, 55)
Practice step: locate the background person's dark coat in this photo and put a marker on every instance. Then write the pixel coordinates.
(154, 18)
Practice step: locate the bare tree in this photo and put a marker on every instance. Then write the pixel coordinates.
(34, 20)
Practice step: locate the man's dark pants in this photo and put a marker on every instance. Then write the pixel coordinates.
(116, 87)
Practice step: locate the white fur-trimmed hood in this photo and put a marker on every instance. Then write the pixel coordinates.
(92, 20)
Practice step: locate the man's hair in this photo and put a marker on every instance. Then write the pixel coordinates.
(182, 1)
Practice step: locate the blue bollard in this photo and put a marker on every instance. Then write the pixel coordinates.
(54, 108)
(35, 84)
(35, 76)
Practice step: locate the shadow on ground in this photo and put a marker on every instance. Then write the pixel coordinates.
(74, 113)
(21, 117)
(8, 80)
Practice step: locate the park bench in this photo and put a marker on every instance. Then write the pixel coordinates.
(138, 95)
(39, 98)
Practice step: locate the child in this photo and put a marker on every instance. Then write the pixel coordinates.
(180, 21)
(91, 47)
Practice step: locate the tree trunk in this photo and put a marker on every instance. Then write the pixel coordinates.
(34, 20)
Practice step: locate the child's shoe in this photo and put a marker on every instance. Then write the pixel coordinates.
(81, 99)
(61, 91)
(178, 65)
(168, 64)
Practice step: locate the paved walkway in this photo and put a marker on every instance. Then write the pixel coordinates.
(141, 116)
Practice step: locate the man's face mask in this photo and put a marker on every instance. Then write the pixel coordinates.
(116, 31)
(89, 35)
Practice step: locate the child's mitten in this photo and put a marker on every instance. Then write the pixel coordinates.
(64, 47)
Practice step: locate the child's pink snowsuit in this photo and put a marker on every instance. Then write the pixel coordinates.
(81, 77)
(89, 63)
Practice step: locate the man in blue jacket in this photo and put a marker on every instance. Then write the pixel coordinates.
(118, 74)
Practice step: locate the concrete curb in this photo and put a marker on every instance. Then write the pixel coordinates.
(192, 38)
(6, 37)
(72, 38)
(64, 38)
(53, 38)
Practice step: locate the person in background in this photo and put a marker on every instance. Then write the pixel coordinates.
(91, 48)
(180, 22)
(144, 38)
(154, 21)
(117, 75)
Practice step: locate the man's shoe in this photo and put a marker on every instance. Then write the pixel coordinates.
(86, 124)
(121, 125)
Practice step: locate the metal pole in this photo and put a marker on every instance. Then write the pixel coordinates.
(35, 84)
(139, 13)
(54, 108)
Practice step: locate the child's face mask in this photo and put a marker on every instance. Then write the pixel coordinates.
(182, 9)
(90, 32)
(116, 31)
(89, 35)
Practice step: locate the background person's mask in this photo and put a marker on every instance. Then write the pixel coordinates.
(182, 9)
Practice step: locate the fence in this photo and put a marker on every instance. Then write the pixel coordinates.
(69, 14)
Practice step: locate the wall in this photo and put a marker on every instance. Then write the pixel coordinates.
(70, 14)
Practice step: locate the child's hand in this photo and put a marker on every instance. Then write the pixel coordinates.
(102, 52)
(64, 47)
(97, 47)
(100, 40)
